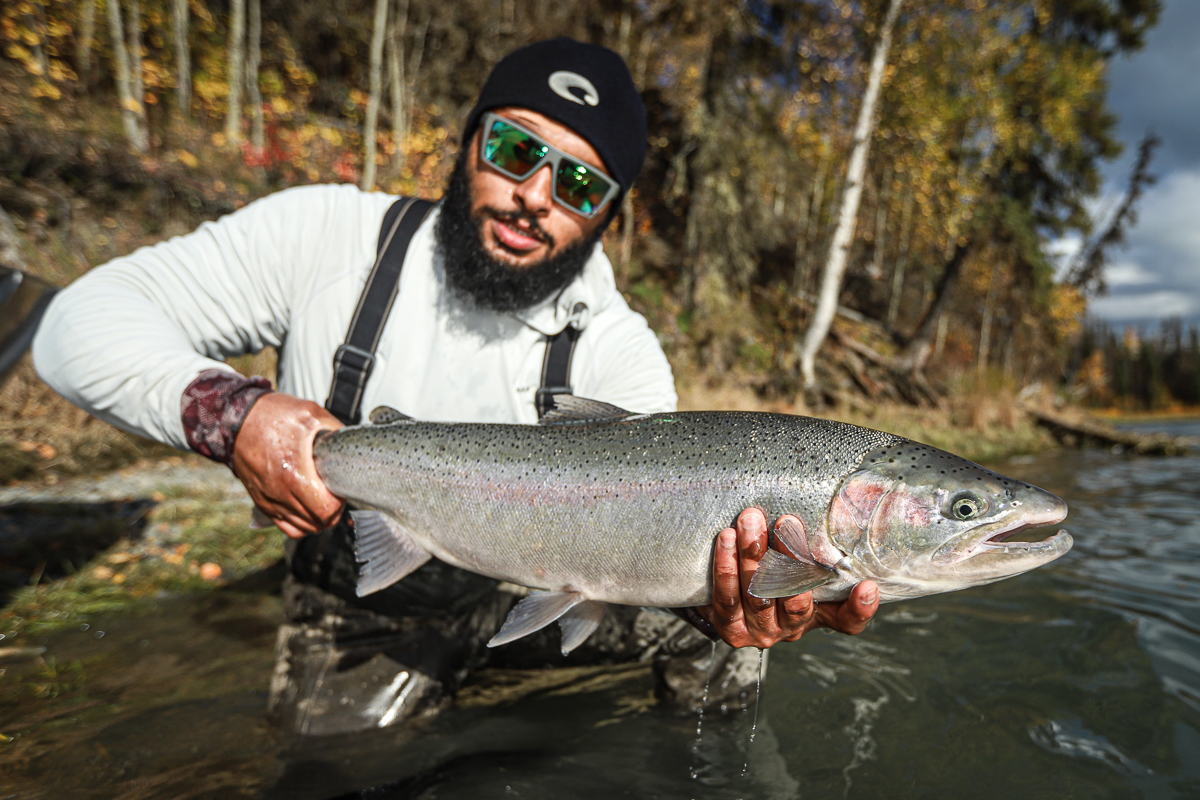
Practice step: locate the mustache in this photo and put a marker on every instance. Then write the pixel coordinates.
(534, 230)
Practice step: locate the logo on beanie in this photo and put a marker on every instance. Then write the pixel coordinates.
(563, 83)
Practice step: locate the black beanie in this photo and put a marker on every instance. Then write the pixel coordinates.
(586, 87)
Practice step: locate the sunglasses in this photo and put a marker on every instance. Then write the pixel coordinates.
(513, 151)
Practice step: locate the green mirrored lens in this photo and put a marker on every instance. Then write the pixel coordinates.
(513, 150)
(580, 187)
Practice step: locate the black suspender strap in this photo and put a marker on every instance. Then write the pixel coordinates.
(354, 360)
(556, 369)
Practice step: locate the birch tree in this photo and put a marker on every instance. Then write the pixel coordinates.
(132, 113)
(237, 36)
(183, 57)
(398, 84)
(843, 237)
(83, 45)
(136, 68)
(377, 37)
(254, 60)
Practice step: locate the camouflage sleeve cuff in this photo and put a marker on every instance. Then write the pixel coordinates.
(213, 408)
(698, 622)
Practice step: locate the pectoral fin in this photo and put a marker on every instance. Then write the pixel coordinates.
(384, 550)
(579, 623)
(534, 613)
(781, 576)
(806, 545)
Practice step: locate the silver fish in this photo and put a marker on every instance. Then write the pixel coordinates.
(597, 505)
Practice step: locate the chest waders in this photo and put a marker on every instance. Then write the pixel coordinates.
(347, 663)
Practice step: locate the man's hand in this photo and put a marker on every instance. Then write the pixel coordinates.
(273, 457)
(743, 619)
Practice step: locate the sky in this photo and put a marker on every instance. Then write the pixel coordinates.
(1158, 89)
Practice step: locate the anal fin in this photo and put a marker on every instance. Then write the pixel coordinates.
(580, 622)
(534, 613)
(781, 576)
(384, 550)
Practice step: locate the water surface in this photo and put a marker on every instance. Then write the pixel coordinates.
(1081, 679)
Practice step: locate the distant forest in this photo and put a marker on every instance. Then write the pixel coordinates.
(1138, 370)
(985, 142)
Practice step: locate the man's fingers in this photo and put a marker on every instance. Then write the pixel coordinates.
(853, 613)
(794, 611)
(752, 544)
(290, 530)
(726, 588)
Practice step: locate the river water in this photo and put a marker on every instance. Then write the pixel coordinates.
(1080, 680)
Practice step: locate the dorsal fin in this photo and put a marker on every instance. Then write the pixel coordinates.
(384, 415)
(571, 410)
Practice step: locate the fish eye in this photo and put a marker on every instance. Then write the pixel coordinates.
(967, 507)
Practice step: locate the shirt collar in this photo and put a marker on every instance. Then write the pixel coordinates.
(576, 302)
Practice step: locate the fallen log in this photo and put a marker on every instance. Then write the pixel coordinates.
(1083, 432)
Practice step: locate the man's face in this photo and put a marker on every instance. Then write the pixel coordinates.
(520, 224)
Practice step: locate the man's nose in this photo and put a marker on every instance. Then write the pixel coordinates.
(534, 193)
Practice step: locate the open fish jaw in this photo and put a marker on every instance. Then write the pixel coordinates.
(995, 538)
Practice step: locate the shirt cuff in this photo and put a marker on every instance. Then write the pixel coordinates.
(213, 407)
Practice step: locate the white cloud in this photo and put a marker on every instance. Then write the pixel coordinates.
(1158, 275)
(1062, 251)
(1128, 273)
(1147, 305)
(1169, 216)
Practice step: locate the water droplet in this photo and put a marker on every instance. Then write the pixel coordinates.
(99, 634)
(83, 626)
(757, 699)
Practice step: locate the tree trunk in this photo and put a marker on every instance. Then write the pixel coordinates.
(398, 80)
(810, 220)
(916, 353)
(985, 328)
(237, 37)
(253, 61)
(83, 45)
(881, 223)
(183, 57)
(130, 107)
(377, 36)
(136, 68)
(843, 236)
(901, 263)
(627, 224)
(37, 24)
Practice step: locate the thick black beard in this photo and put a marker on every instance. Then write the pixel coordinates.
(475, 276)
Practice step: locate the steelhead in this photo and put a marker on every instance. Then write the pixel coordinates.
(597, 505)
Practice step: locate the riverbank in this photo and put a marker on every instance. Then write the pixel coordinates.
(119, 541)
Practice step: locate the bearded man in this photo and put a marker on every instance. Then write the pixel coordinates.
(495, 285)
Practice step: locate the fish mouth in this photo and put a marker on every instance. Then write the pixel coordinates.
(995, 539)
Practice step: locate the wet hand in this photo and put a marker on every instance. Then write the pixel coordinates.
(745, 620)
(272, 456)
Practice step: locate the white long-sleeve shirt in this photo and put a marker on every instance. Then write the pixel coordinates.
(126, 339)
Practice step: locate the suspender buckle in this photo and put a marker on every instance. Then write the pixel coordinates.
(544, 399)
(353, 364)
